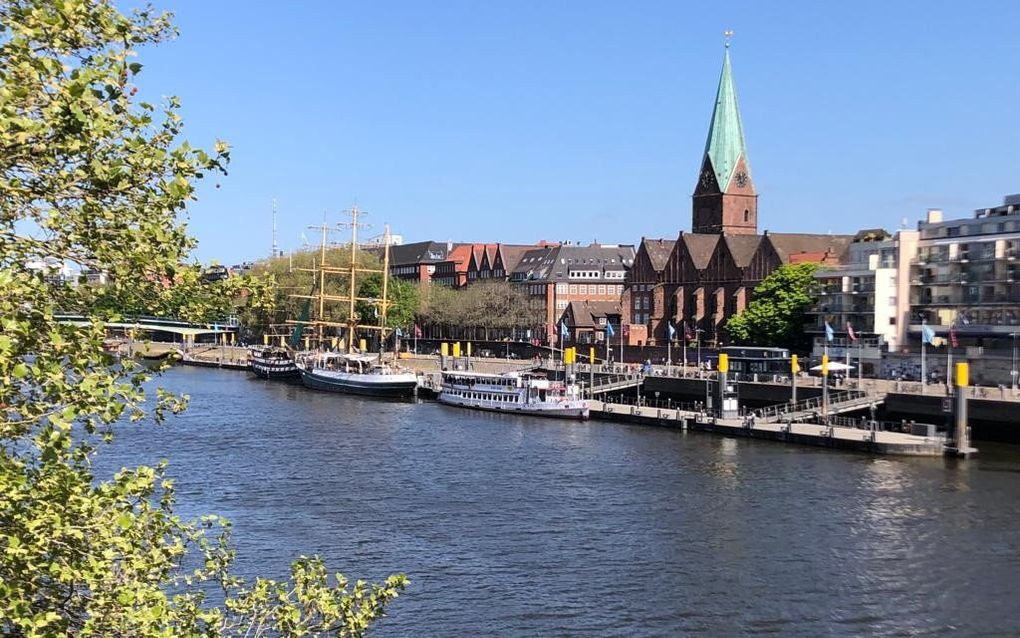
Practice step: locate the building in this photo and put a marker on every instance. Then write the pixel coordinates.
(870, 294)
(966, 274)
(418, 261)
(703, 278)
(555, 275)
(453, 270)
(587, 322)
(52, 270)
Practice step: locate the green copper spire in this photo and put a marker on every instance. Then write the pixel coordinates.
(725, 145)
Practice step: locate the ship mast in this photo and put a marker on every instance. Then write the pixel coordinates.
(351, 297)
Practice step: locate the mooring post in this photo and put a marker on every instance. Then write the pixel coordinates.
(961, 440)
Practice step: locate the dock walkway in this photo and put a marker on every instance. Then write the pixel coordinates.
(830, 436)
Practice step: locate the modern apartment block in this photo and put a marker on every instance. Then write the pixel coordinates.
(869, 293)
(967, 274)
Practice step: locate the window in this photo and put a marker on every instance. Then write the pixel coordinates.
(573, 289)
(892, 321)
(582, 289)
(602, 289)
(561, 289)
(747, 215)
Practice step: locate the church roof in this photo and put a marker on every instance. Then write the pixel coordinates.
(725, 145)
(743, 248)
(700, 247)
(658, 251)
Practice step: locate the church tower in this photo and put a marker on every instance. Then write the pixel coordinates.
(724, 198)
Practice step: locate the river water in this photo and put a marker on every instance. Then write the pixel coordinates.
(516, 526)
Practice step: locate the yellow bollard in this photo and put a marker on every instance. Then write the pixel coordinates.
(962, 375)
(333, 342)
(456, 349)
(265, 340)
(469, 348)
(283, 341)
(444, 349)
(307, 343)
(724, 363)
(362, 345)
(825, 365)
(794, 364)
(591, 355)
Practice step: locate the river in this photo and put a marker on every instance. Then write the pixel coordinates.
(516, 526)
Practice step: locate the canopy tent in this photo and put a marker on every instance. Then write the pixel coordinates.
(834, 366)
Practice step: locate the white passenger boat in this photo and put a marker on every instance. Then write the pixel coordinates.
(515, 393)
(355, 374)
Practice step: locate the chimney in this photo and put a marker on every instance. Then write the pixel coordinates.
(934, 215)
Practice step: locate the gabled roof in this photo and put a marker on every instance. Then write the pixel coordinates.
(658, 251)
(554, 263)
(586, 313)
(725, 145)
(742, 247)
(511, 255)
(700, 246)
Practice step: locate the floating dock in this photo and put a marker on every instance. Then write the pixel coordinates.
(819, 435)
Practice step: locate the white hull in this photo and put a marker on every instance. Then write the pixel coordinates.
(565, 410)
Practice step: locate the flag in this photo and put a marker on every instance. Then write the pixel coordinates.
(850, 332)
(417, 331)
(609, 330)
(828, 332)
(399, 332)
(953, 342)
(672, 331)
(563, 329)
(927, 334)
(688, 334)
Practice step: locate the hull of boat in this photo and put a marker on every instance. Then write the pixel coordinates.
(576, 410)
(281, 369)
(372, 385)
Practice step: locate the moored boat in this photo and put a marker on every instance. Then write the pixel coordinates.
(515, 393)
(272, 363)
(362, 374)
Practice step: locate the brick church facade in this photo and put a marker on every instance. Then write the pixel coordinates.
(699, 280)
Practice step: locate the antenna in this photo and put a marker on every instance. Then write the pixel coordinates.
(275, 247)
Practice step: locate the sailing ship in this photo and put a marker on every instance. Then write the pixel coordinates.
(517, 393)
(340, 366)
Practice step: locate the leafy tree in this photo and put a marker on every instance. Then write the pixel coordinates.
(478, 309)
(775, 315)
(89, 177)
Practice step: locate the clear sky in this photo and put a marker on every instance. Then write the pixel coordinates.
(578, 120)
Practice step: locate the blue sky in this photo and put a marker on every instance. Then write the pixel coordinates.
(581, 120)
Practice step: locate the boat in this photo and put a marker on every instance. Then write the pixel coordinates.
(335, 364)
(272, 362)
(516, 393)
(362, 374)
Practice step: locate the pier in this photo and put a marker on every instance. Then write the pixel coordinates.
(871, 439)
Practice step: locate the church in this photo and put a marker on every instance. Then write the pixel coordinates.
(700, 279)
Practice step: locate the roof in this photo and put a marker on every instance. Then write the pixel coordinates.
(554, 263)
(658, 251)
(586, 312)
(512, 254)
(419, 252)
(725, 145)
(742, 247)
(700, 247)
(795, 246)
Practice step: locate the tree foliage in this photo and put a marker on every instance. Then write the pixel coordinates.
(91, 178)
(775, 315)
(493, 305)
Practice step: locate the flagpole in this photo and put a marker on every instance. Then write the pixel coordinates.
(684, 373)
(949, 361)
(669, 348)
(860, 366)
(923, 370)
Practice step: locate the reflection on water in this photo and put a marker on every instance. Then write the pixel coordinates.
(511, 526)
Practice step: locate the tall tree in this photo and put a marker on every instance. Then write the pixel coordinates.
(775, 317)
(90, 177)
